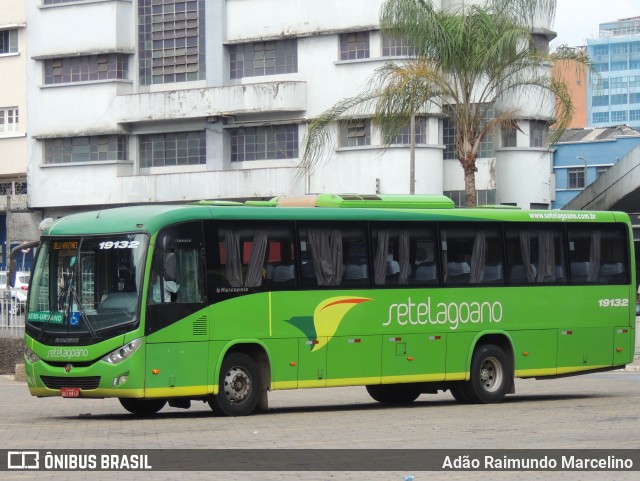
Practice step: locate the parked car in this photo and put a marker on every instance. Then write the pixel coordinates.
(21, 286)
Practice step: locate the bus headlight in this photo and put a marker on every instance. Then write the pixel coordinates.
(123, 352)
(30, 355)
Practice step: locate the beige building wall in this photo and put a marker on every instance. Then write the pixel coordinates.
(13, 92)
(576, 79)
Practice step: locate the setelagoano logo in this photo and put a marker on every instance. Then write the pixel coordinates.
(453, 313)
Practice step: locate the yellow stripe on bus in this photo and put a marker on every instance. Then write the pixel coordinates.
(167, 392)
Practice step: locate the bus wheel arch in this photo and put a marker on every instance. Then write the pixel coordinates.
(243, 380)
(491, 372)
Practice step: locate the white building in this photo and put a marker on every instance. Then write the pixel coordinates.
(174, 100)
(16, 223)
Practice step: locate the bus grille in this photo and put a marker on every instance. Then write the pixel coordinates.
(54, 382)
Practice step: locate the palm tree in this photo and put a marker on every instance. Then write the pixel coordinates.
(466, 61)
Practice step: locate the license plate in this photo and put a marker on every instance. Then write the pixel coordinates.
(70, 391)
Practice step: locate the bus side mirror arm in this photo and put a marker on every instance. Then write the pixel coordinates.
(12, 264)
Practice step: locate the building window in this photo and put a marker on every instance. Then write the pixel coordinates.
(8, 41)
(599, 84)
(617, 82)
(355, 133)
(634, 47)
(601, 67)
(86, 68)
(354, 45)
(486, 150)
(538, 206)
(541, 43)
(619, 99)
(634, 114)
(8, 120)
(600, 100)
(264, 143)
(171, 41)
(182, 148)
(397, 47)
(94, 148)
(576, 178)
(600, 117)
(617, 66)
(449, 139)
(483, 197)
(404, 136)
(634, 81)
(619, 116)
(601, 50)
(538, 133)
(263, 58)
(619, 48)
(509, 137)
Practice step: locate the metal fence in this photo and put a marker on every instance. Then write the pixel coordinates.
(11, 318)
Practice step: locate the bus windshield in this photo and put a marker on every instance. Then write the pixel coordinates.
(87, 285)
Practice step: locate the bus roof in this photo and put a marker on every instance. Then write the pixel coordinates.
(152, 217)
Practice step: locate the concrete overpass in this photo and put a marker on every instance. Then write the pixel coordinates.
(616, 189)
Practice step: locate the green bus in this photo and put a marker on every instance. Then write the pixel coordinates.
(222, 302)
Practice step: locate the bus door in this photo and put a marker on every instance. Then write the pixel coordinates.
(177, 323)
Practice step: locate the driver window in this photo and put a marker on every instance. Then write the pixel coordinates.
(176, 272)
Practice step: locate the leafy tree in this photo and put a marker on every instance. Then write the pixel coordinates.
(467, 60)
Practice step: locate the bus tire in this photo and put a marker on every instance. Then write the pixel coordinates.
(393, 393)
(239, 388)
(459, 393)
(143, 407)
(491, 375)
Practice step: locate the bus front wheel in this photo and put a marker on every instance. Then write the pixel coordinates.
(393, 393)
(142, 407)
(491, 375)
(239, 388)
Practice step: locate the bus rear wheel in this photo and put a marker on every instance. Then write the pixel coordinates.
(491, 376)
(393, 393)
(142, 407)
(459, 392)
(239, 387)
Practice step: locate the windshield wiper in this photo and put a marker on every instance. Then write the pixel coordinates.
(73, 299)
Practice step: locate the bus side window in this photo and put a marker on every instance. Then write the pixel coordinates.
(472, 255)
(250, 259)
(334, 255)
(403, 255)
(281, 265)
(614, 256)
(597, 254)
(176, 275)
(536, 255)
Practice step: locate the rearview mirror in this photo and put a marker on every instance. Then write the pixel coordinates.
(170, 266)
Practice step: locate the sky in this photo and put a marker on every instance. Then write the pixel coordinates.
(578, 20)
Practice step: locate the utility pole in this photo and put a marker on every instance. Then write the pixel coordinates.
(6, 301)
(412, 155)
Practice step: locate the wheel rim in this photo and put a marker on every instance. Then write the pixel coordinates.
(237, 385)
(491, 374)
